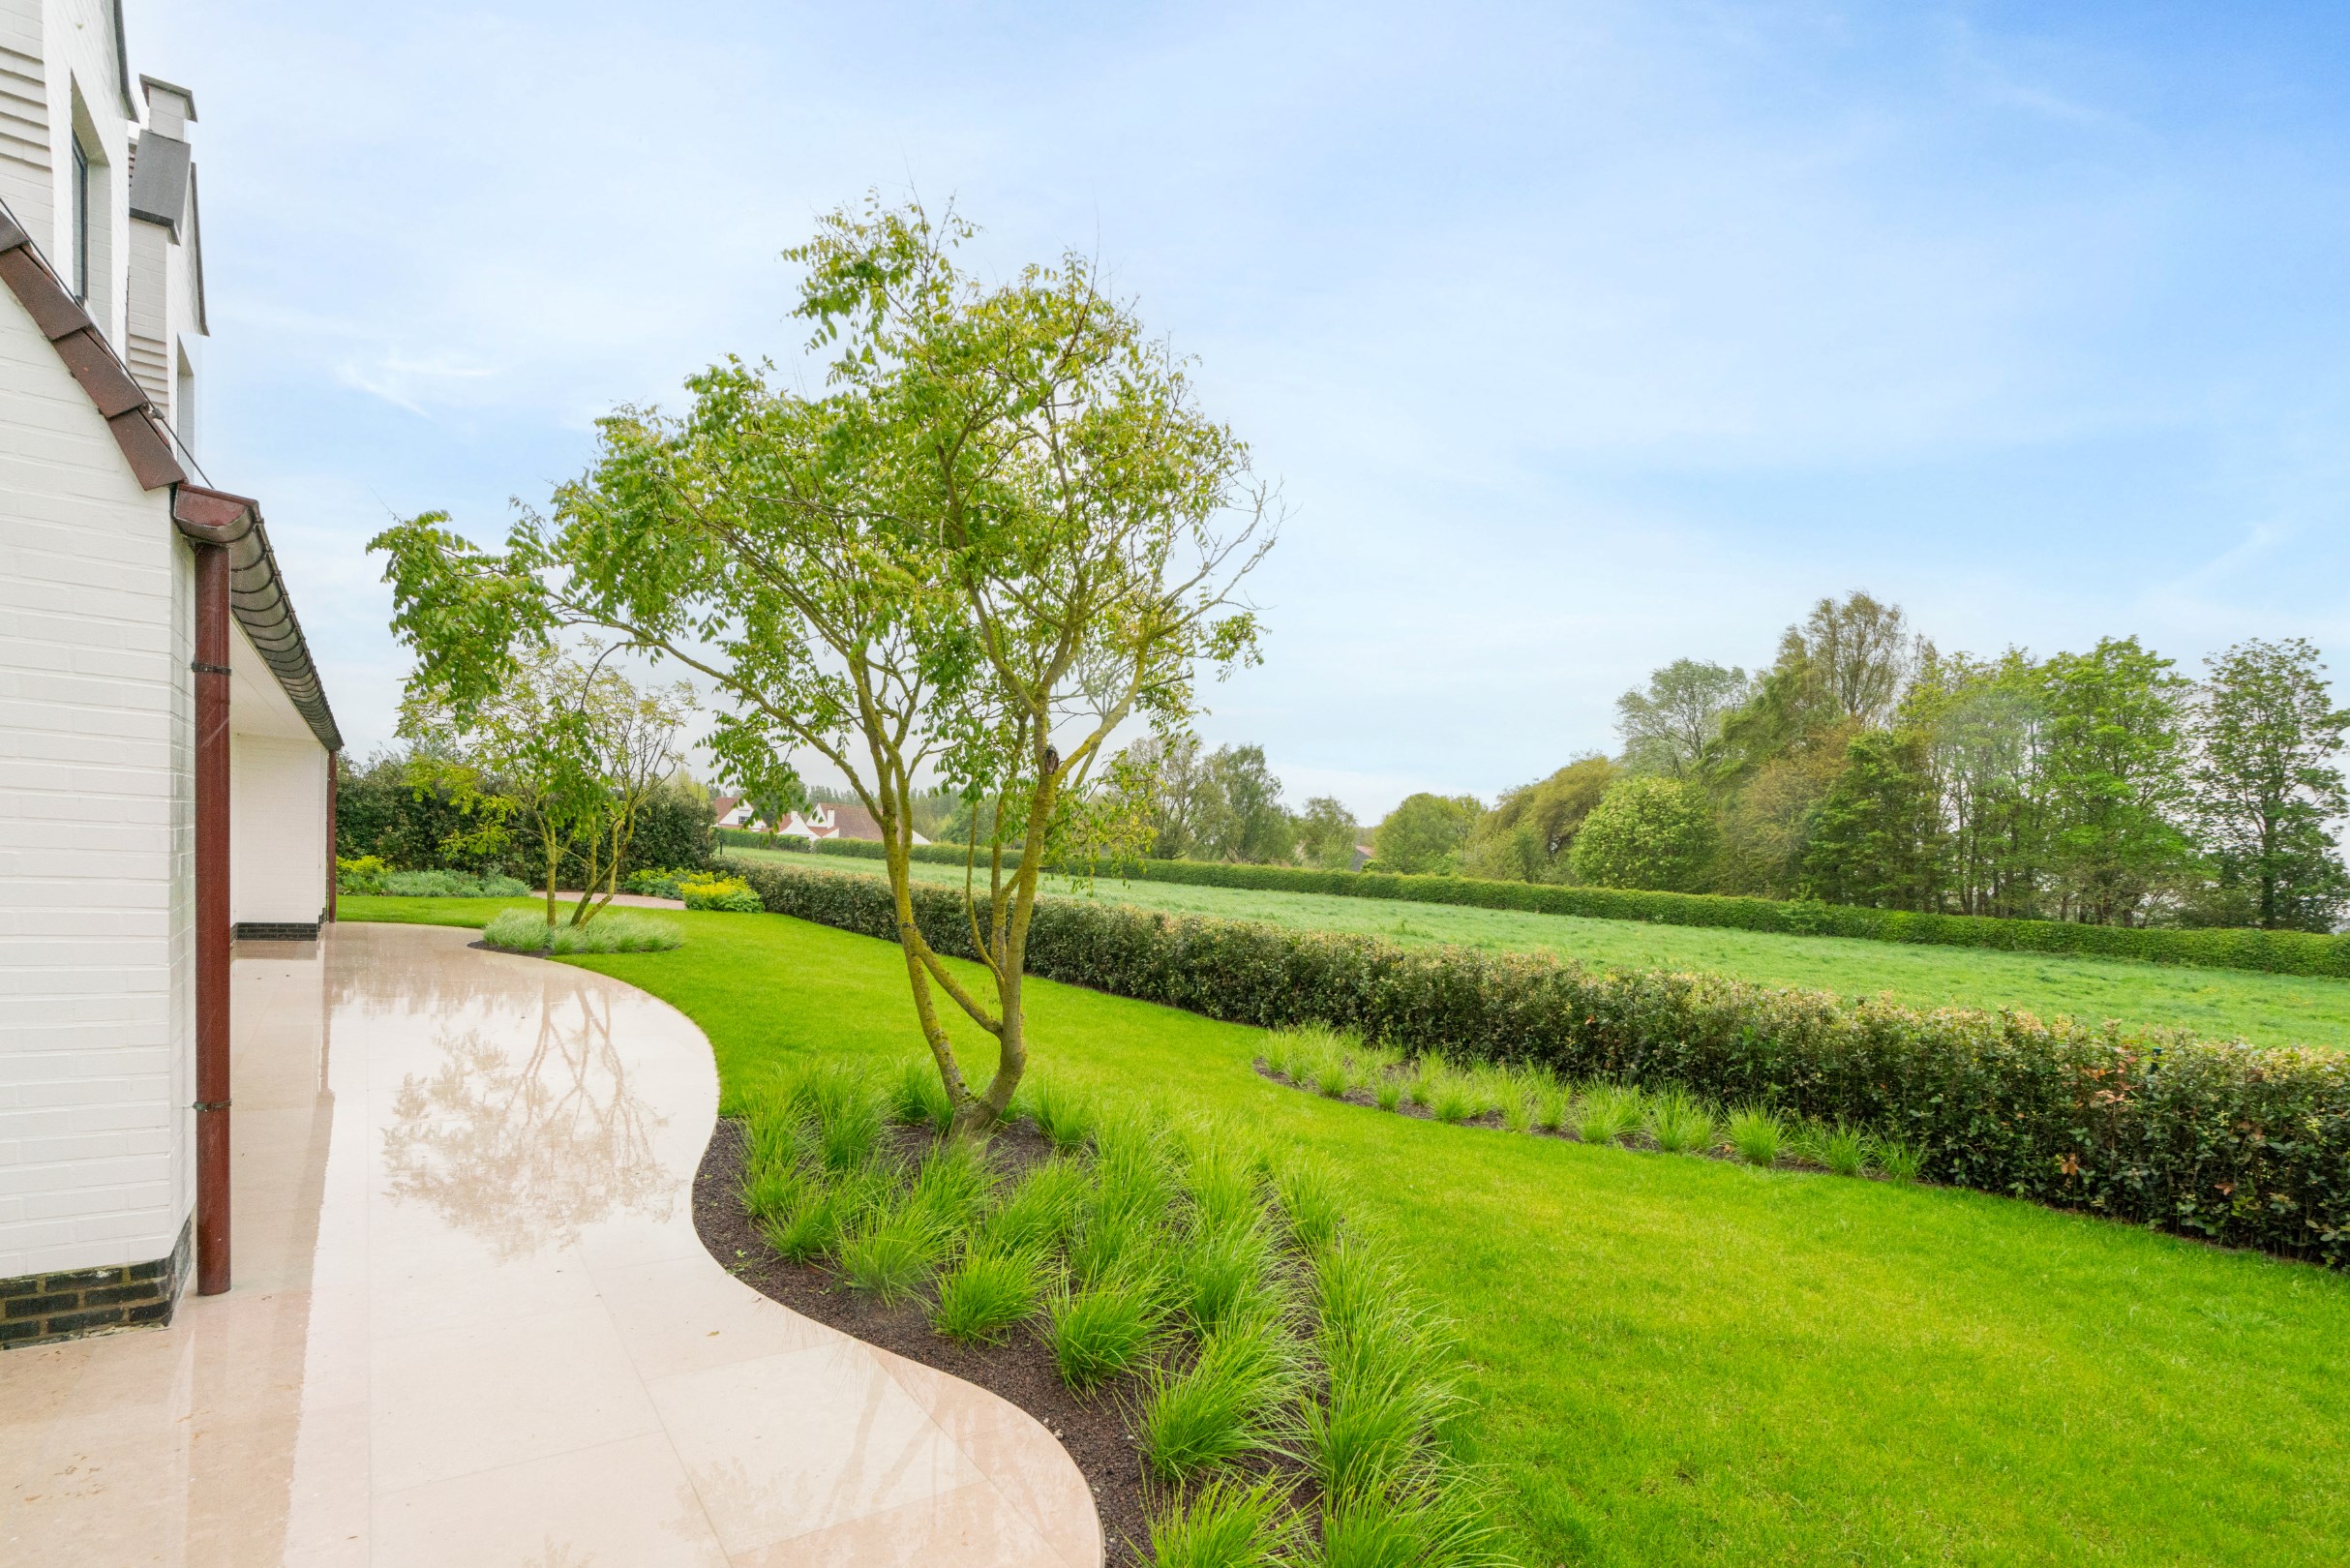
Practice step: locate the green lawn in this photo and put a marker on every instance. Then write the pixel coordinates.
(2268, 1009)
(1685, 1362)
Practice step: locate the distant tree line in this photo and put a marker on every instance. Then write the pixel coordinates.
(1864, 766)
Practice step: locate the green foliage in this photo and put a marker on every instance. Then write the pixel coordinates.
(1426, 834)
(525, 930)
(1222, 1407)
(1606, 1113)
(2243, 1146)
(1327, 834)
(2281, 952)
(1876, 838)
(717, 893)
(1758, 1136)
(917, 1098)
(1675, 728)
(2113, 778)
(1225, 1524)
(1531, 833)
(1106, 1330)
(1680, 1123)
(2266, 787)
(986, 1294)
(1647, 832)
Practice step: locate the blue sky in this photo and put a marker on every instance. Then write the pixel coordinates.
(1582, 337)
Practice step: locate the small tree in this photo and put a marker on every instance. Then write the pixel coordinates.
(1327, 834)
(1004, 531)
(2267, 784)
(563, 749)
(1426, 834)
(1647, 832)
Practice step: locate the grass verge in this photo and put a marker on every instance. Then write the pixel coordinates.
(1683, 1361)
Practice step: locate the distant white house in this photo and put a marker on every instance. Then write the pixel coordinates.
(822, 820)
(166, 751)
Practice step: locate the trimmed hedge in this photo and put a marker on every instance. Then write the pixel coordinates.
(2275, 952)
(2245, 1147)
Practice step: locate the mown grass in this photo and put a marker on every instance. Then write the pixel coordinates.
(2268, 1009)
(1684, 1361)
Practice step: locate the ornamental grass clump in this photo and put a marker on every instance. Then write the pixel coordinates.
(986, 1294)
(1064, 1117)
(1757, 1136)
(1898, 1160)
(917, 1097)
(1678, 1122)
(1226, 1404)
(1225, 1524)
(1040, 1211)
(1841, 1149)
(525, 930)
(1105, 1330)
(1608, 1112)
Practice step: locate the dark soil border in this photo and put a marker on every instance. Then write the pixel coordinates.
(1020, 1371)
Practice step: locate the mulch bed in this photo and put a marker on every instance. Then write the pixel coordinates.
(1020, 1371)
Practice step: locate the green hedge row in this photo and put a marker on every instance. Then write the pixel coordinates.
(2246, 1147)
(855, 849)
(2279, 953)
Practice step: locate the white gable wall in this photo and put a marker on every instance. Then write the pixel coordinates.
(277, 791)
(95, 834)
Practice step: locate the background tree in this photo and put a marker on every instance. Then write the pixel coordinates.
(1175, 764)
(1984, 726)
(1426, 834)
(2267, 785)
(563, 749)
(1875, 838)
(1860, 654)
(1002, 530)
(1327, 834)
(1765, 830)
(2114, 775)
(1528, 835)
(1647, 832)
(1675, 727)
(1239, 815)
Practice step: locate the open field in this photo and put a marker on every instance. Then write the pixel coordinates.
(2268, 1009)
(1681, 1360)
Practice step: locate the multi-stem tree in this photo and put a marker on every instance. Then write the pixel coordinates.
(1002, 530)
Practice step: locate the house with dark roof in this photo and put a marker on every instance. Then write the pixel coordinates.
(169, 781)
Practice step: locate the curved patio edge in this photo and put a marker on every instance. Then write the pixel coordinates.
(473, 1322)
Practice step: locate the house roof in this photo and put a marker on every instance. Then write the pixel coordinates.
(854, 822)
(256, 588)
(721, 804)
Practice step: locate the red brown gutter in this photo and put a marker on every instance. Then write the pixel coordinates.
(212, 929)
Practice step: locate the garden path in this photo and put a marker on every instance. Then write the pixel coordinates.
(473, 1324)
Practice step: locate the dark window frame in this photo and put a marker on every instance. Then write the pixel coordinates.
(81, 222)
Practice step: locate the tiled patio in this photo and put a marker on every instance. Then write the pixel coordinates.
(473, 1323)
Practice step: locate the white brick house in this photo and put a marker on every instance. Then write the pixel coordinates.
(166, 749)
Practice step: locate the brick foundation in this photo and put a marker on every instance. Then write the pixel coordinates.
(37, 1308)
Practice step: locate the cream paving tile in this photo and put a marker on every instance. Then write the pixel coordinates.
(627, 1503)
(1036, 1476)
(498, 1391)
(969, 1524)
(687, 1315)
(472, 1322)
(789, 1444)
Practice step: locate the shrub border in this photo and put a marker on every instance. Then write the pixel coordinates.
(2216, 1139)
